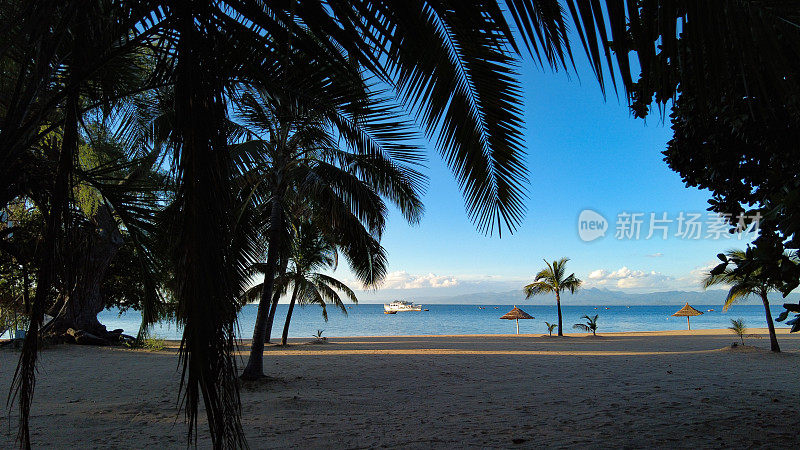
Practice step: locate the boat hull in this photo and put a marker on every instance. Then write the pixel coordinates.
(400, 306)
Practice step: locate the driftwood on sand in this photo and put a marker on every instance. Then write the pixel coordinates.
(82, 337)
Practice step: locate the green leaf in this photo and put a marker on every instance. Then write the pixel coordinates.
(793, 307)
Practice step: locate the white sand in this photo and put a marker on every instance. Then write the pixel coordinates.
(660, 389)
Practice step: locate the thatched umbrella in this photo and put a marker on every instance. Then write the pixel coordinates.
(687, 311)
(517, 314)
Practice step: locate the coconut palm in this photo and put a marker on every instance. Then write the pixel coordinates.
(743, 286)
(311, 252)
(589, 326)
(550, 327)
(553, 279)
(334, 167)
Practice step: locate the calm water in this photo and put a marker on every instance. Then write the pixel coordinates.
(369, 320)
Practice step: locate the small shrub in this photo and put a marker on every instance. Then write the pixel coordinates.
(319, 336)
(153, 344)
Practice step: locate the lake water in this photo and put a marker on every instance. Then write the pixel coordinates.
(369, 320)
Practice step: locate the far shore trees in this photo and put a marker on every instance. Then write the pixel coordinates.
(553, 279)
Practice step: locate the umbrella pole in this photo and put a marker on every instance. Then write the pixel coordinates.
(688, 324)
(517, 326)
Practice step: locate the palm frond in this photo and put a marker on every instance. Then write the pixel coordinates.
(716, 279)
(546, 275)
(738, 292)
(693, 46)
(536, 288)
(336, 284)
(209, 277)
(582, 327)
(448, 63)
(571, 283)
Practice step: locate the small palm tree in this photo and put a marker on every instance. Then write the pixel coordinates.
(553, 279)
(744, 286)
(550, 327)
(590, 325)
(738, 328)
(310, 252)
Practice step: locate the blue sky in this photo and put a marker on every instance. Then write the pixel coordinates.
(583, 152)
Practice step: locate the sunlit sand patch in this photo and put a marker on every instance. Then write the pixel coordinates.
(450, 351)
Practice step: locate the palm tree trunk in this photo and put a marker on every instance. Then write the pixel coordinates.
(289, 315)
(255, 363)
(773, 339)
(271, 317)
(99, 246)
(26, 286)
(274, 306)
(558, 303)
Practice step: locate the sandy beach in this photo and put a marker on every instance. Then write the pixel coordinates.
(634, 390)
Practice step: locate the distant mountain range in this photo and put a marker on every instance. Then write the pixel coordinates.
(591, 296)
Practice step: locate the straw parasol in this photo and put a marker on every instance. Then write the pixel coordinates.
(516, 314)
(687, 311)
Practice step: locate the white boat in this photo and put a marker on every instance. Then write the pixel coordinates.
(400, 305)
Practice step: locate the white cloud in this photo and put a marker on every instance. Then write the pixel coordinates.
(405, 280)
(598, 274)
(698, 273)
(628, 279)
(655, 255)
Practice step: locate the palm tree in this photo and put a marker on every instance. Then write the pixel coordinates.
(590, 325)
(553, 279)
(310, 253)
(550, 327)
(310, 250)
(743, 286)
(45, 99)
(334, 167)
(738, 328)
(451, 63)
